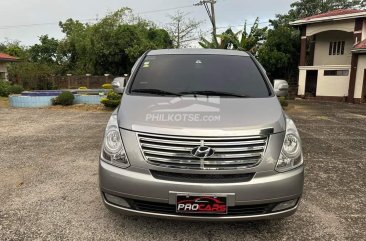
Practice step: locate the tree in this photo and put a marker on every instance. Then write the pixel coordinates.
(305, 8)
(279, 55)
(182, 31)
(242, 40)
(46, 51)
(111, 45)
(14, 48)
(247, 41)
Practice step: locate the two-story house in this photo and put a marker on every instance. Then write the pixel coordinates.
(333, 56)
(4, 60)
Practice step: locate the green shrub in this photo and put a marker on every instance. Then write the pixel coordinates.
(112, 101)
(6, 89)
(107, 86)
(283, 101)
(15, 89)
(65, 98)
(83, 88)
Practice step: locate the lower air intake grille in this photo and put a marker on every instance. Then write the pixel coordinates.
(202, 178)
(232, 211)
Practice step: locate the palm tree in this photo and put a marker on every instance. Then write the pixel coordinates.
(241, 40)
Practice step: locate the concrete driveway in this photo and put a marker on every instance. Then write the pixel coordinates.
(49, 187)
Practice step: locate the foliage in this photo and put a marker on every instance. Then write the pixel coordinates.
(182, 31)
(83, 88)
(32, 75)
(14, 48)
(283, 101)
(107, 86)
(280, 53)
(111, 45)
(242, 40)
(112, 101)
(15, 89)
(6, 89)
(65, 98)
(305, 8)
(222, 43)
(46, 52)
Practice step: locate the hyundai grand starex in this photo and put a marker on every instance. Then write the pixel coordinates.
(200, 135)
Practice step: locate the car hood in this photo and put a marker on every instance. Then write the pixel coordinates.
(201, 116)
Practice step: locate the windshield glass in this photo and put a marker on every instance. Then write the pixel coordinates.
(214, 75)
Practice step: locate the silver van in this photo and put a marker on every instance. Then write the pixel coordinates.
(200, 135)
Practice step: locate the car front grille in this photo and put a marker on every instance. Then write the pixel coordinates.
(176, 151)
(243, 210)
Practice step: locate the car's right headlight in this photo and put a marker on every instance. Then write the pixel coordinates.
(113, 151)
(291, 153)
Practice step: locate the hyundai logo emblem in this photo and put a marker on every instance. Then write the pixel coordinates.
(202, 152)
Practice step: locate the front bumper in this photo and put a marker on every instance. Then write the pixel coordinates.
(138, 184)
(215, 218)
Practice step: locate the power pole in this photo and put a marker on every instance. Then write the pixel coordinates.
(211, 14)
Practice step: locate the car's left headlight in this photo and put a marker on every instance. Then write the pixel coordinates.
(291, 153)
(113, 151)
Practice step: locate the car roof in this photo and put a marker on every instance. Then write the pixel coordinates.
(198, 51)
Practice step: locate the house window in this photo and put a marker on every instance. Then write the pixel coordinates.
(336, 72)
(337, 48)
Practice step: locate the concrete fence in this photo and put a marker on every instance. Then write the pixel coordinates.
(65, 82)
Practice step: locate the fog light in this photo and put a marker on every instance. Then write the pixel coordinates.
(285, 205)
(117, 200)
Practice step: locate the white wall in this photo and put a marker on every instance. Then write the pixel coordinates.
(332, 85)
(326, 85)
(342, 25)
(4, 69)
(302, 78)
(361, 66)
(321, 54)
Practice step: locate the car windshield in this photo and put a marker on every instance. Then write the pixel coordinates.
(213, 75)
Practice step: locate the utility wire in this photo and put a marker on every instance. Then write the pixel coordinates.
(242, 25)
(166, 9)
(91, 19)
(41, 24)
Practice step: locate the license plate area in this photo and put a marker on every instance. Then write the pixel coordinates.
(201, 204)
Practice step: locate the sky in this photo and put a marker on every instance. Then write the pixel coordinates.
(26, 20)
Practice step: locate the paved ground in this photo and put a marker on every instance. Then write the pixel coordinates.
(49, 188)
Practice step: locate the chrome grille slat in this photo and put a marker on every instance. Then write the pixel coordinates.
(175, 151)
(162, 147)
(169, 154)
(188, 143)
(236, 143)
(165, 160)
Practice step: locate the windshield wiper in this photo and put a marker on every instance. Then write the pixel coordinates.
(155, 92)
(213, 93)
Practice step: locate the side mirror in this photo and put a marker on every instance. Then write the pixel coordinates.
(118, 85)
(281, 87)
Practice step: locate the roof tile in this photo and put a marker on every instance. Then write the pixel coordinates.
(334, 13)
(7, 57)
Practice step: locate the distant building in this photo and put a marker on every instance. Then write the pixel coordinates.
(4, 60)
(333, 55)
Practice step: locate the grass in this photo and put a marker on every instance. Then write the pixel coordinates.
(4, 102)
(82, 107)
